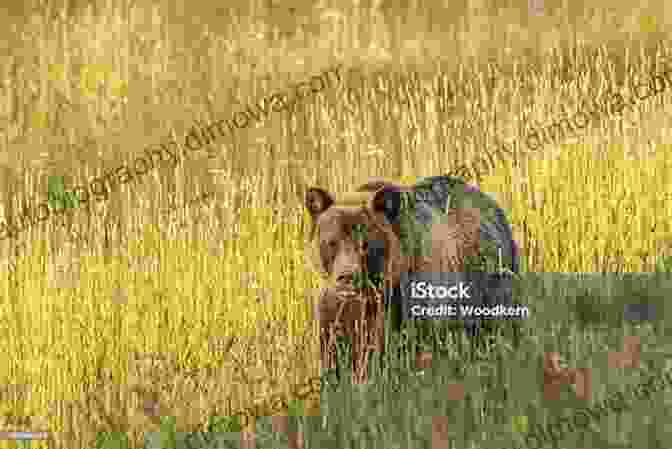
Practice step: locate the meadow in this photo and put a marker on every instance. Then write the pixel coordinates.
(120, 318)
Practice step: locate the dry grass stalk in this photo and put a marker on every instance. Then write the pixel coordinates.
(556, 376)
(629, 357)
(118, 74)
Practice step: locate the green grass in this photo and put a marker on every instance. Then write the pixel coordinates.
(116, 319)
(395, 408)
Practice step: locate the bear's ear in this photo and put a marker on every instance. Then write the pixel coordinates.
(317, 201)
(387, 200)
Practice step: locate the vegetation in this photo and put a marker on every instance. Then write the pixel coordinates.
(123, 320)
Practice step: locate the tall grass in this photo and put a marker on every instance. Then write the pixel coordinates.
(119, 315)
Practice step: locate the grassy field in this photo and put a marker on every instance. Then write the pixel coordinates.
(122, 314)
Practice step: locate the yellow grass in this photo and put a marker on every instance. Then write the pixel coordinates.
(219, 295)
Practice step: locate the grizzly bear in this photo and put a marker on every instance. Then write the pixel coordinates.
(367, 242)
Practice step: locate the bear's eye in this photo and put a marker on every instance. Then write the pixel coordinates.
(329, 246)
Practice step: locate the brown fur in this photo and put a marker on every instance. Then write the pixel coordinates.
(359, 314)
